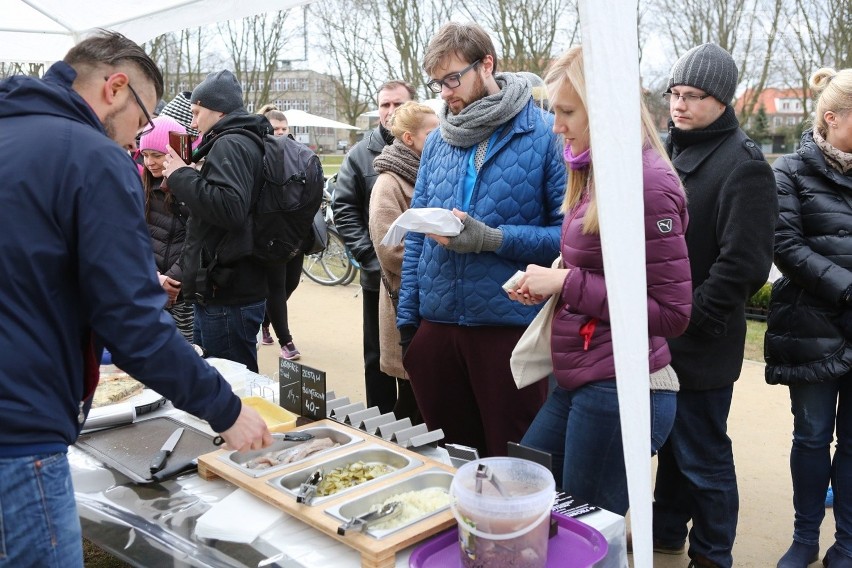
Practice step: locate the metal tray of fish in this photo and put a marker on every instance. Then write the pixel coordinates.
(371, 456)
(433, 479)
(257, 463)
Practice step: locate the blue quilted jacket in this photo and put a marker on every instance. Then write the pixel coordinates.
(519, 190)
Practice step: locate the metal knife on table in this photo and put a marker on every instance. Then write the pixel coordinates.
(160, 458)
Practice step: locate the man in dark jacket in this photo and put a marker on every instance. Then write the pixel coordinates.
(732, 213)
(79, 274)
(227, 286)
(351, 216)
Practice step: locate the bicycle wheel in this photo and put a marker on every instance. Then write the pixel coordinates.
(330, 266)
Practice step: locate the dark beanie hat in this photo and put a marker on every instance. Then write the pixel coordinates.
(707, 67)
(220, 91)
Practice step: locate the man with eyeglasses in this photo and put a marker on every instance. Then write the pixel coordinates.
(498, 165)
(227, 287)
(732, 213)
(79, 274)
(352, 192)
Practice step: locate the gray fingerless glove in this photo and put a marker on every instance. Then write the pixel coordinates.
(476, 236)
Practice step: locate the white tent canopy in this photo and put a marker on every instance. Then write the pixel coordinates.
(44, 30)
(302, 118)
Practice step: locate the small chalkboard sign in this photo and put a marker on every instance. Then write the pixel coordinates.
(290, 385)
(313, 393)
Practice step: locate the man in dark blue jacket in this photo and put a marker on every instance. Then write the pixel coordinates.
(79, 274)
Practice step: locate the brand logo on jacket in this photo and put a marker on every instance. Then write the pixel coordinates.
(664, 225)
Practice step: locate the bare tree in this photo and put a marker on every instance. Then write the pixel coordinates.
(182, 57)
(816, 34)
(526, 30)
(253, 45)
(745, 28)
(348, 35)
(407, 27)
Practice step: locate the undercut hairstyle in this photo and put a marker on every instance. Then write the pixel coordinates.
(275, 114)
(469, 42)
(113, 49)
(412, 94)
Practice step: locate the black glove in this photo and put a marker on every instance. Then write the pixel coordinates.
(476, 236)
(406, 334)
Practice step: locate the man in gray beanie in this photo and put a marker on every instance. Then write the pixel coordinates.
(227, 287)
(732, 212)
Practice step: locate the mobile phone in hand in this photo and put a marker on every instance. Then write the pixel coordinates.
(182, 144)
(512, 283)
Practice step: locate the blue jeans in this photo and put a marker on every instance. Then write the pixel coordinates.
(817, 410)
(229, 332)
(581, 429)
(38, 516)
(696, 478)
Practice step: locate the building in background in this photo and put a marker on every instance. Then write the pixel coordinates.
(300, 89)
(778, 118)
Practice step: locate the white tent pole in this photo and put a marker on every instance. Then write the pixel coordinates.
(611, 58)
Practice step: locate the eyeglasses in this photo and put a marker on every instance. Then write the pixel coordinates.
(686, 98)
(451, 81)
(150, 127)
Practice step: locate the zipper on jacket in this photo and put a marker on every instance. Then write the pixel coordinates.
(586, 332)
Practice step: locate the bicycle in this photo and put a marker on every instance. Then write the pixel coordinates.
(334, 265)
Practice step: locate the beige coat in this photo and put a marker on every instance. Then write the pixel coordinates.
(391, 196)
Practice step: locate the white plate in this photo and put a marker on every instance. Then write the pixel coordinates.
(146, 401)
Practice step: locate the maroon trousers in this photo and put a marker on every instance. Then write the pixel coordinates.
(464, 386)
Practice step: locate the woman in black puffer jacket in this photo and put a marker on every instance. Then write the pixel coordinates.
(809, 336)
(166, 221)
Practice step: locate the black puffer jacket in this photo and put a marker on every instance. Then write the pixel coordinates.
(732, 213)
(352, 205)
(216, 265)
(813, 251)
(167, 226)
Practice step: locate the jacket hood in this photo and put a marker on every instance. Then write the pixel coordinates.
(22, 95)
(812, 155)
(256, 123)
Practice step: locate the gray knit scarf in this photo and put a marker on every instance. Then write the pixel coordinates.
(399, 159)
(478, 121)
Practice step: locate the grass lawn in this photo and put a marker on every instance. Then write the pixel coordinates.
(754, 340)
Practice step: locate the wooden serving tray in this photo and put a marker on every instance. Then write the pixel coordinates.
(375, 553)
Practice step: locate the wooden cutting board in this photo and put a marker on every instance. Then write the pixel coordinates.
(375, 553)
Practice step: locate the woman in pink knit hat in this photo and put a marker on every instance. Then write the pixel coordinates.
(166, 220)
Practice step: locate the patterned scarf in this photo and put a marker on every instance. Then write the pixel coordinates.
(399, 159)
(478, 120)
(837, 159)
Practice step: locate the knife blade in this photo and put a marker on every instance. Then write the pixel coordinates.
(160, 458)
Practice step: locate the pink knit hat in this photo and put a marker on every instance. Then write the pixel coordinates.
(158, 138)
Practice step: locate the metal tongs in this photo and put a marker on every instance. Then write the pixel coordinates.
(308, 489)
(484, 472)
(360, 522)
(277, 436)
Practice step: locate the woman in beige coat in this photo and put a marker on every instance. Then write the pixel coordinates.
(397, 167)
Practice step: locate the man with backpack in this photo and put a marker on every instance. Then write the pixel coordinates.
(222, 278)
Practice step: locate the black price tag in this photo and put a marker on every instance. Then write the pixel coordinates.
(313, 393)
(290, 385)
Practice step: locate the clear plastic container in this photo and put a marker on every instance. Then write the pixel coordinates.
(503, 529)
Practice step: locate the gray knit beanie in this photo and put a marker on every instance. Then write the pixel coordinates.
(220, 91)
(707, 67)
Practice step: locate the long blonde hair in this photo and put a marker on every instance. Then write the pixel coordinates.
(569, 67)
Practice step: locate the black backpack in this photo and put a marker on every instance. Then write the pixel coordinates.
(283, 210)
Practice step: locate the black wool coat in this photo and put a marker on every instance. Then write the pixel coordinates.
(813, 250)
(732, 212)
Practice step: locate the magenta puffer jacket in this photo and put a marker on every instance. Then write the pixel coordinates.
(581, 340)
